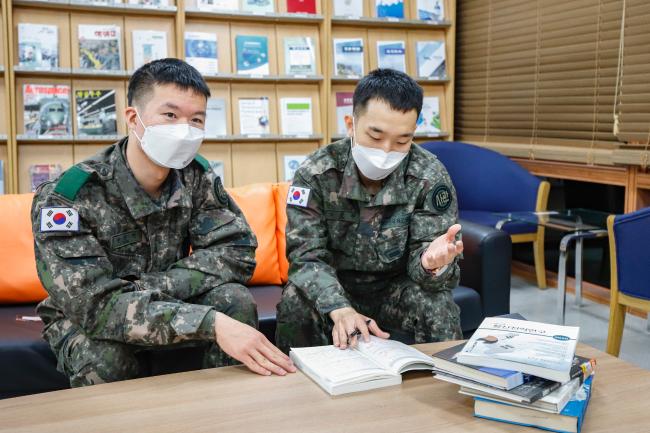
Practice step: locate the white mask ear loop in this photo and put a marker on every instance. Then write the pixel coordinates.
(137, 115)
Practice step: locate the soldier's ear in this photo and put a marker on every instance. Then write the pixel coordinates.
(349, 125)
(131, 118)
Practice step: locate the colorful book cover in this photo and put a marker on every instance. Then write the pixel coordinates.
(254, 116)
(46, 110)
(258, 6)
(348, 8)
(431, 59)
(215, 118)
(39, 173)
(390, 8)
(252, 54)
(201, 52)
(99, 47)
(291, 164)
(38, 46)
(218, 5)
(348, 57)
(296, 116)
(96, 113)
(392, 55)
(429, 120)
(431, 10)
(301, 6)
(300, 56)
(343, 108)
(148, 45)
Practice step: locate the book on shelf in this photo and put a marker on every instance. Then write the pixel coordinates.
(389, 8)
(2, 176)
(218, 5)
(431, 10)
(103, 2)
(291, 164)
(218, 167)
(46, 110)
(296, 116)
(201, 52)
(301, 6)
(258, 6)
(148, 45)
(38, 46)
(540, 349)
(348, 57)
(391, 55)
(99, 47)
(252, 54)
(96, 113)
(376, 364)
(39, 173)
(299, 56)
(569, 420)
(429, 119)
(254, 116)
(215, 118)
(348, 8)
(343, 108)
(150, 2)
(431, 59)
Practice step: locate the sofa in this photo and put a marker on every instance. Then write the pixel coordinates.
(28, 366)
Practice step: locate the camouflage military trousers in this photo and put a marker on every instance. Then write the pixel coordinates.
(87, 361)
(400, 306)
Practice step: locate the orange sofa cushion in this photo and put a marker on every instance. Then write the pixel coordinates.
(280, 192)
(258, 205)
(18, 279)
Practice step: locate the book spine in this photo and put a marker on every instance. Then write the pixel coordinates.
(583, 371)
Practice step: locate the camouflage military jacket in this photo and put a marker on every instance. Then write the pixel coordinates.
(115, 262)
(343, 239)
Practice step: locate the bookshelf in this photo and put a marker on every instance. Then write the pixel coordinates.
(246, 157)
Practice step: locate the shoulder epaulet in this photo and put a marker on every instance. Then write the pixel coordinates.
(71, 182)
(205, 165)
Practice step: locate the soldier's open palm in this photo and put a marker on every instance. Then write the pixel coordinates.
(443, 249)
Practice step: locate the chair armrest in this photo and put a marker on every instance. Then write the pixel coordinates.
(486, 266)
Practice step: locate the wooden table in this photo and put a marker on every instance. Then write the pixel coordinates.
(235, 400)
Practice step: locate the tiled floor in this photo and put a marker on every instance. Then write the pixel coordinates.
(540, 305)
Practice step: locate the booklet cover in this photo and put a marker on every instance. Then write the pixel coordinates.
(431, 10)
(390, 8)
(343, 108)
(296, 116)
(254, 116)
(429, 120)
(148, 45)
(39, 173)
(215, 118)
(348, 8)
(201, 52)
(252, 54)
(391, 55)
(348, 57)
(218, 5)
(291, 164)
(301, 6)
(38, 46)
(431, 59)
(258, 6)
(99, 47)
(299, 56)
(46, 110)
(96, 114)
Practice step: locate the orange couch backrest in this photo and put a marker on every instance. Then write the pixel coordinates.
(280, 191)
(19, 282)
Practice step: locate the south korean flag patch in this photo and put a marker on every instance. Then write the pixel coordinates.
(59, 219)
(298, 196)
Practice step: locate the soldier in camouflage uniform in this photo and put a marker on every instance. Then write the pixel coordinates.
(371, 233)
(113, 238)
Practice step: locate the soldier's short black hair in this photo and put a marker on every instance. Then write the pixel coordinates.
(396, 88)
(165, 71)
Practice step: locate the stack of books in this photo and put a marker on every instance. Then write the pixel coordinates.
(521, 372)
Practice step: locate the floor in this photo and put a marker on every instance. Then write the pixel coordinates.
(539, 305)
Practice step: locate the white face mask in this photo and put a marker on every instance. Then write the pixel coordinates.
(375, 164)
(171, 146)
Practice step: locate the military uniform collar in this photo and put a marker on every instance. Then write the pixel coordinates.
(139, 203)
(393, 191)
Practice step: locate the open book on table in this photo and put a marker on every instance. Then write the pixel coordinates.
(371, 365)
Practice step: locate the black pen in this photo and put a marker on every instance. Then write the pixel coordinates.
(356, 332)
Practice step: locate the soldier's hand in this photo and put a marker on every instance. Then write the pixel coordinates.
(443, 249)
(346, 321)
(250, 347)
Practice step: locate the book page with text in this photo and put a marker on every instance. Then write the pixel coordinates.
(394, 356)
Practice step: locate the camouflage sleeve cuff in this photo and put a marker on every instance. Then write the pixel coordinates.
(188, 321)
(331, 303)
(427, 279)
(206, 330)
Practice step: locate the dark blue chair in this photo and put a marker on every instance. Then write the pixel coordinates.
(487, 182)
(629, 237)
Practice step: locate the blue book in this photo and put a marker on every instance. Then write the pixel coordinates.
(570, 420)
(252, 54)
(390, 8)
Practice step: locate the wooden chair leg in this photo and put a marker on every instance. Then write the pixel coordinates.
(616, 325)
(540, 265)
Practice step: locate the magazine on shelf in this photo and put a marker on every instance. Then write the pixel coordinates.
(254, 116)
(299, 56)
(296, 116)
(252, 54)
(215, 118)
(148, 45)
(38, 46)
(96, 113)
(201, 52)
(348, 57)
(46, 110)
(99, 47)
(391, 55)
